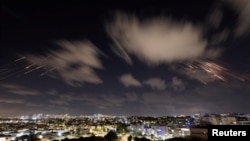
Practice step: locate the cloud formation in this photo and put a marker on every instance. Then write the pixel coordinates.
(74, 63)
(242, 7)
(208, 97)
(58, 102)
(128, 80)
(215, 18)
(177, 84)
(19, 89)
(199, 75)
(156, 83)
(11, 101)
(131, 96)
(157, 40)
(204, 98)
(102, 101)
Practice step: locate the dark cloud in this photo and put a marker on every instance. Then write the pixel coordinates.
(242, 7)
(11, 101)
(19, 89)
(132, 96)
(128, 80)
(156, 83)
(231, 97)
(177, 84)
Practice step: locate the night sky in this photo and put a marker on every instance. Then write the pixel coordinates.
(126, 58)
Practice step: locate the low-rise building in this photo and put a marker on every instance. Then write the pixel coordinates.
(5, 137)
(199, 132)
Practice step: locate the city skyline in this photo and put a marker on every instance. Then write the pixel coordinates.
(150, 59)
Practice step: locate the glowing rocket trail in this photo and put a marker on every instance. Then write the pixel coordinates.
(11, 73)
(44, 73)
(36, 68)
(15, 68)
(19, 59)
(210, 71)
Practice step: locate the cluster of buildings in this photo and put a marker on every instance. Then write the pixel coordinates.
(158, 132)
(225, 119)
(58, 127)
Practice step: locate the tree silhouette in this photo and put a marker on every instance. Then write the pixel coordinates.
(141, 139)
(111, 136)
(130, 138)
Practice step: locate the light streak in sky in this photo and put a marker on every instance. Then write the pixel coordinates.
(14, 68)
(205, 71)
(34, 69)
(46, 72)
(210, 71)
(11, 73)
(27, 67)
(19, 59)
